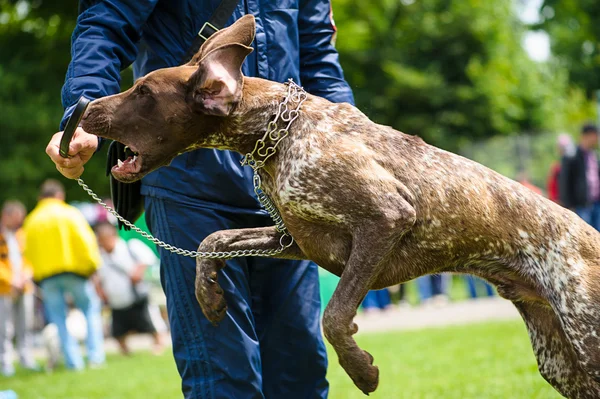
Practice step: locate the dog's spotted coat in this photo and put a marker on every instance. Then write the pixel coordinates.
(372, 205)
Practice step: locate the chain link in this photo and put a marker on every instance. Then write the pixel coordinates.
(273, 134)
(267, 147)
(264, 149)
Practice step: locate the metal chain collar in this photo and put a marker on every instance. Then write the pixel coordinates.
(295, 94)
(267, 145)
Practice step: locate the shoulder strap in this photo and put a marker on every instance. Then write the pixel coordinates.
(216, 21)
(135, 259)
(119, 269)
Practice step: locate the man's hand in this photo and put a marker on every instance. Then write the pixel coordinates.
(82, 147)
(102, 295)
(138, 273)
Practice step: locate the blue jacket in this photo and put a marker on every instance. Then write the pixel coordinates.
(293, 40)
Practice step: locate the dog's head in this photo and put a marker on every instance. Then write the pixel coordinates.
(156, 117)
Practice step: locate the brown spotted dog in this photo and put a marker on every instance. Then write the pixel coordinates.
(370, 204)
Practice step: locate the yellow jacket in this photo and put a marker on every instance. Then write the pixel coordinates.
(59, 240)
(6, 272)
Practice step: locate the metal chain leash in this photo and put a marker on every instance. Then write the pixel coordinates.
(295, 94)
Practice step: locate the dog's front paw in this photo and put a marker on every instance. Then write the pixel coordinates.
(208, 291)
(362, 372)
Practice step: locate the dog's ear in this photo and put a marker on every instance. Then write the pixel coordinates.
(242, 32)
(216, 86)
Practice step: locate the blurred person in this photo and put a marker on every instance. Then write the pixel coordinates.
(16, 291)
(398, 295)
(62, 249)
(579, 180)
(474, 282)
(50, 338)
(433, 288)
(121, 285)
(377, 300)
(523, 178)
(402, 296)
(566, 147)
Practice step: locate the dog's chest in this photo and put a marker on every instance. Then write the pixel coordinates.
(305, 189)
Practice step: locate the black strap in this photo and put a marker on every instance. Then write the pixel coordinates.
(72, 125)
(216, 21)
(134, 288)
(119, 269)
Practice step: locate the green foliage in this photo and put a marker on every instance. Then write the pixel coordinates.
(449, 71)
(575, 38)
(35, 52)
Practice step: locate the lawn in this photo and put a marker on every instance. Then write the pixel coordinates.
(492, 360)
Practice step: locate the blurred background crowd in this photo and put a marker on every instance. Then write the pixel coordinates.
(67, 277)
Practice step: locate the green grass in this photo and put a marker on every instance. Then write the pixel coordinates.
(140, 376)
(492, 360)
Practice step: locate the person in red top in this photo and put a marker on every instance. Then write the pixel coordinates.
(523, 178)
(565, 147)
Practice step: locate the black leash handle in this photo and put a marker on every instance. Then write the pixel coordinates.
(72, 125)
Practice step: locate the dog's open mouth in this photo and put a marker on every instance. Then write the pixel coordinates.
(128, 169)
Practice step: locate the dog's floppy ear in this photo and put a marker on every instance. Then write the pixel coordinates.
(242, 32)
(216, 86)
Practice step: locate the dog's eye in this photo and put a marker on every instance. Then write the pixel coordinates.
(143, 90)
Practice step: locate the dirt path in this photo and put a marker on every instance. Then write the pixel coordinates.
(464, 312)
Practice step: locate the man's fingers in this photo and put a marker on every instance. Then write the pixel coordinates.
(52, 151)
(72, 172)
(52, 147)
(71, 162)
(83, 144)
(75, 147)
(81, 148)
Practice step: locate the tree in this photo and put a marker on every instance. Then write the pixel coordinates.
(449, 71)
(575, 38)
(35, 52)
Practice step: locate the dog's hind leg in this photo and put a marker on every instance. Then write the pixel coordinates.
(557, 360)
(208, 291)
(371, 249)
(578, 309)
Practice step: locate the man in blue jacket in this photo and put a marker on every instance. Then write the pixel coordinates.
(269, 345)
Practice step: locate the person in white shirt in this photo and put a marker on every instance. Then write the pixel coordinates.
(121, 285)
(16, 291)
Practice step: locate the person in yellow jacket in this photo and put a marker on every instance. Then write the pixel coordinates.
(16, 291)
(63, 251)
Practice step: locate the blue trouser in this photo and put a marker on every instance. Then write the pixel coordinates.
(431, 285)
(269, 345)
(84, 297)
(378, 299)
(590, 214)
(473, 282)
